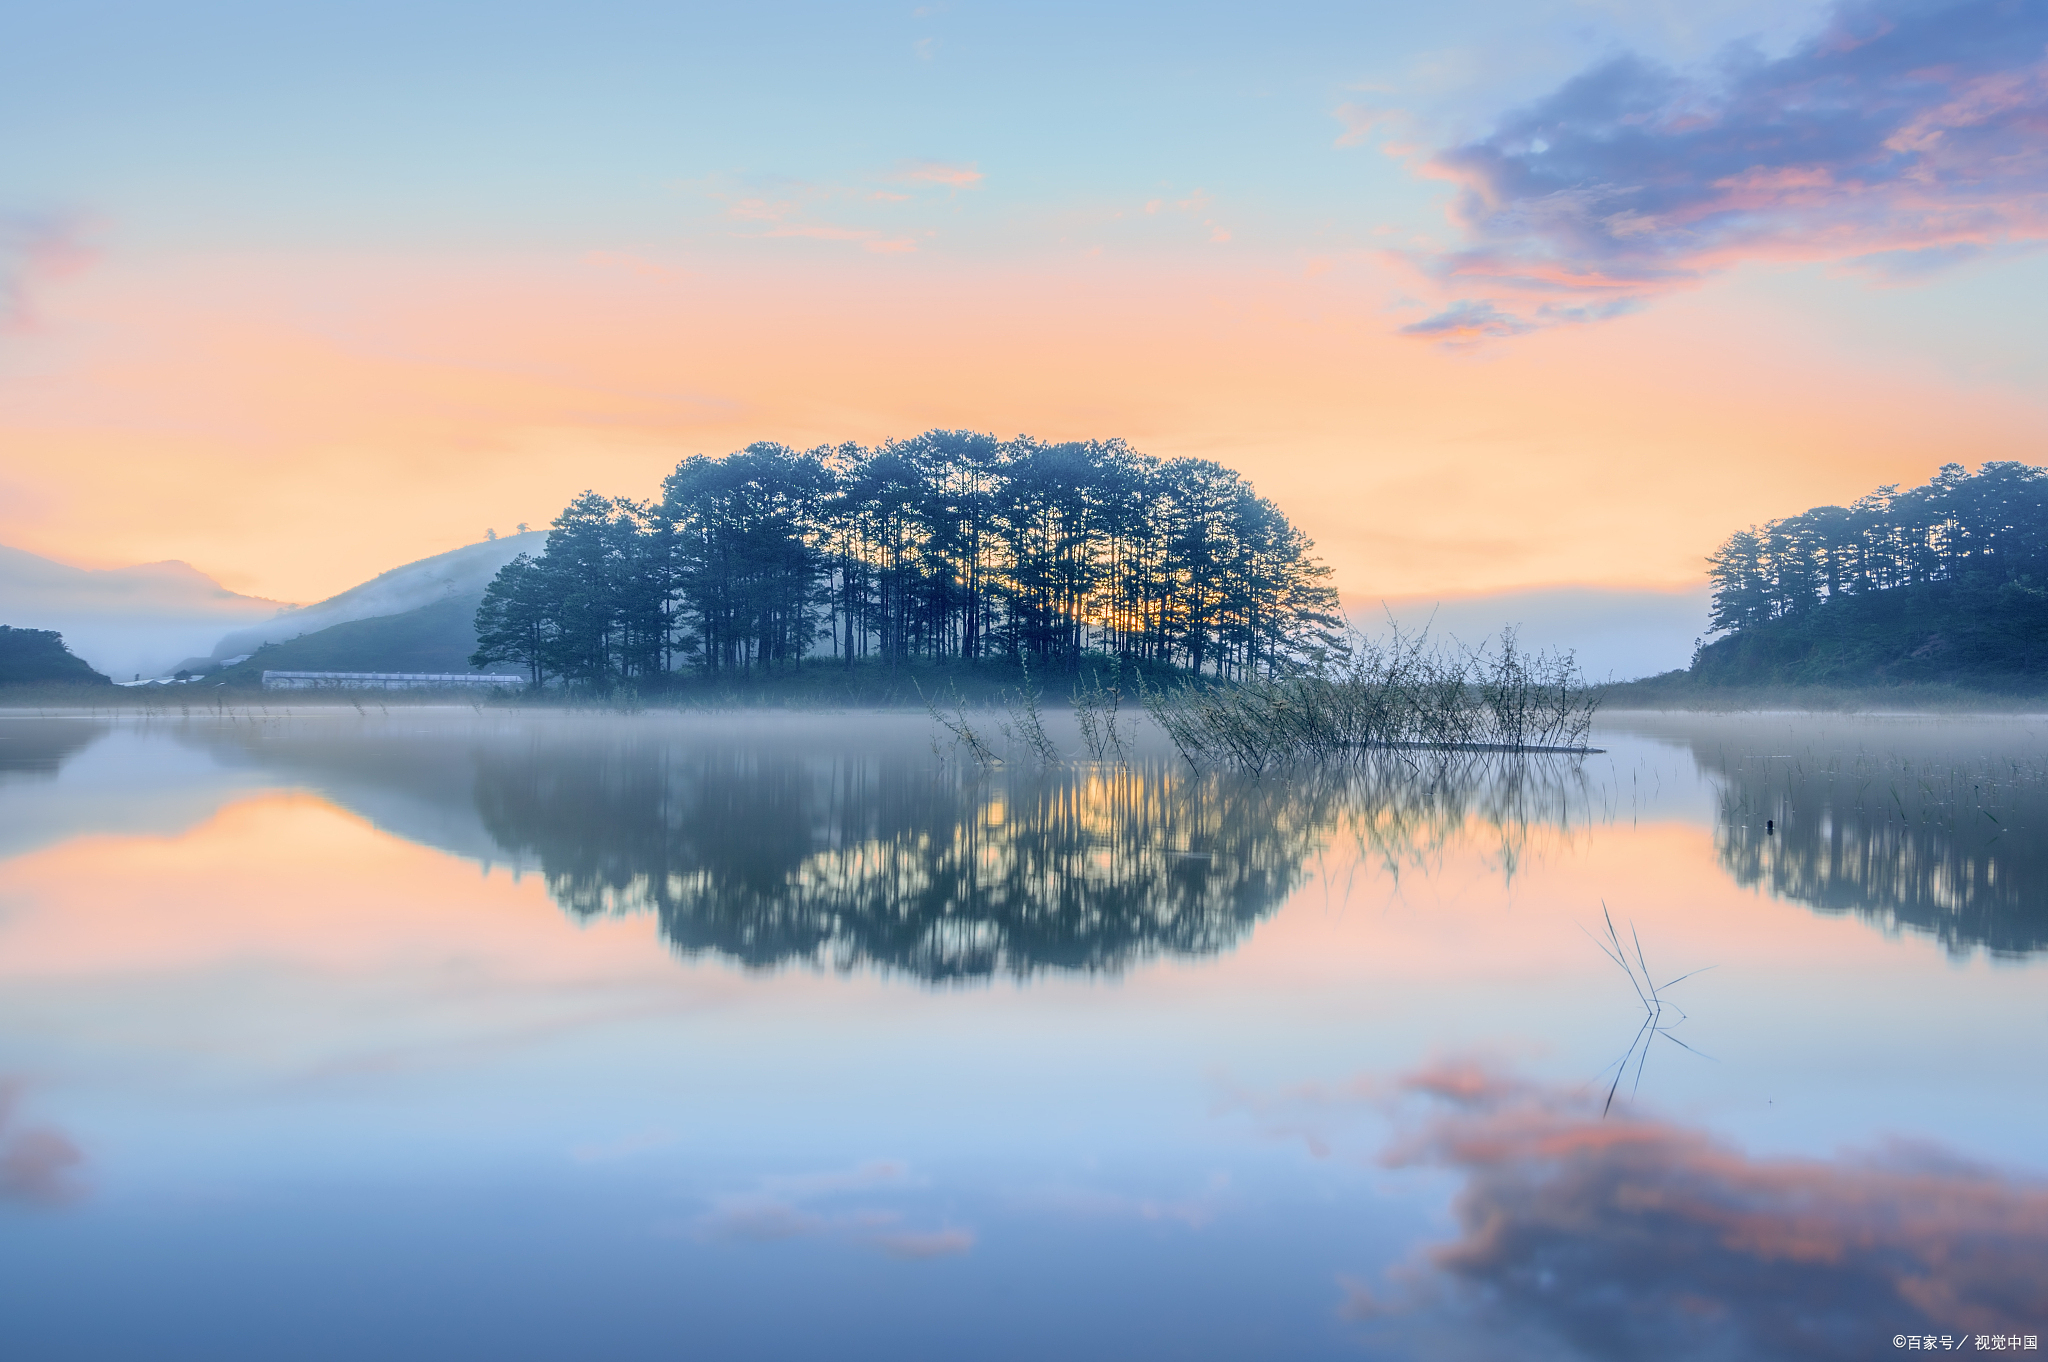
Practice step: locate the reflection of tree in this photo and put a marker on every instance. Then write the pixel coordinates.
(1404, 808)
(1951, 845)
(843, 860)
(39, 747)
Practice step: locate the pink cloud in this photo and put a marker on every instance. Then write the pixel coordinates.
(36, 248)
(1900, 139)
(1359, 120)
(950, 174)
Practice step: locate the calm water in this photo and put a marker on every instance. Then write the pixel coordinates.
(437, 1034)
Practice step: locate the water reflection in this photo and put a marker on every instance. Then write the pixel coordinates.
(811, 842)
(1631, 1237)
(1951, 843)
(848, 861)
(38, 1163)
(40, 747)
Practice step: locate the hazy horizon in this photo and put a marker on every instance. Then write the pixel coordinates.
(1615, 632)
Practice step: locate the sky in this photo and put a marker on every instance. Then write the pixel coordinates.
(1488, 297)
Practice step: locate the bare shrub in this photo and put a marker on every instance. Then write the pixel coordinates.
(1401, 692)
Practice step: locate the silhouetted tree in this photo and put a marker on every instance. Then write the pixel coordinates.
(952, 544)
(1993, 525)
(516, 622)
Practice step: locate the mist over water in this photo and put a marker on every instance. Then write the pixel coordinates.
(616, 1034)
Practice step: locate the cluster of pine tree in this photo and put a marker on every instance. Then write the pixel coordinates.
(1993, 525)
(950, 545)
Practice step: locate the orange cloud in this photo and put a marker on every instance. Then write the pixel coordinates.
(294, 425)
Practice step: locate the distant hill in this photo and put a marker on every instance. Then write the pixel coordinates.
(123, 620)
(433, 638)
(459, 575)
(39, 657)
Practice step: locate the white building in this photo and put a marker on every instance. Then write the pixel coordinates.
(387, 681)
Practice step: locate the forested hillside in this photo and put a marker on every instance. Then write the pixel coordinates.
(433, 638)
(39, 657)
(950, 545)
(1947, 583)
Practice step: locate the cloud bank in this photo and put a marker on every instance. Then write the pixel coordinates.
(1904, 137)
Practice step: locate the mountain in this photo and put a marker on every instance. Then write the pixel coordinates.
(38, 656)
(122, 620)
(434, 638)
(459, 576)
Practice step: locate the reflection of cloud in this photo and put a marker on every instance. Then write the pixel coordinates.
(874, 1173)
(759, 1220)
(36, 1162)
(776, 1212)
(1192, 1212)
(933, 1244)
(624, 1147)
(1630, 1237)
(1903, 137)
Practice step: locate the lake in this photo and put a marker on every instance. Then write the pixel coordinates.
(434, 1033)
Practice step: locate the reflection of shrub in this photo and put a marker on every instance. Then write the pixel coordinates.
(961, 874)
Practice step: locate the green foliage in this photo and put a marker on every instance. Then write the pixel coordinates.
(515, 623)
(1991, 526)
(953, 545)
(39, 657)
(1970, 630)
(1937, 586)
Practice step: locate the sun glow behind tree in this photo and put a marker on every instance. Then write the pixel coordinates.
(949, 545)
